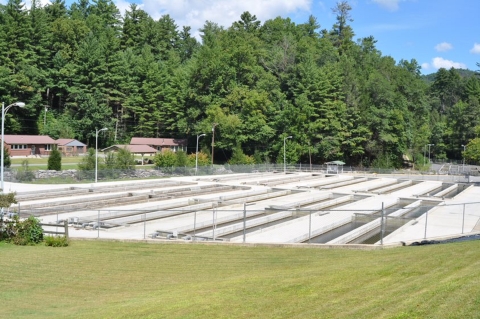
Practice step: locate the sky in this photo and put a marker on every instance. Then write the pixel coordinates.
(436, 33)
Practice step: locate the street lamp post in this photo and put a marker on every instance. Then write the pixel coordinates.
(284, 155)
(196, 153)
(45, 117)
(96, 151)
(424, 155)
(213, 139)
(429, 152)
(463, 155)
(4, 111)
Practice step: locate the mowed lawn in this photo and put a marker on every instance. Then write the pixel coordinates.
(101, 279)
(68, 162)
(35, 163)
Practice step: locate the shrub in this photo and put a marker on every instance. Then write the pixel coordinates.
(203, 159)
(56, 241)
(6, 200)
(166, 160)
(109, 160)
(24, 174)
(55, 160)
(124, 159)
(6, 158)
(182, 159)
(88, 161)
(239, 158)
(24, 232)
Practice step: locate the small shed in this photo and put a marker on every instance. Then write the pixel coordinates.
(71, 147)
(335, 167)
(134, 149)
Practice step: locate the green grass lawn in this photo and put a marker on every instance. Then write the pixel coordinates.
(68, 162)
(99, 279)
(44, 160)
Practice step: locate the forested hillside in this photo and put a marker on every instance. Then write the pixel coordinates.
(84, 67)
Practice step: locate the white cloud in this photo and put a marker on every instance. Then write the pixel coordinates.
(444, 46)
(425, 66)
(438, 63)
(391, 5)
(195, 13)
(475, 49)
(123, 6)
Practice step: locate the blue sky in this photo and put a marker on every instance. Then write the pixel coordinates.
(437, 33)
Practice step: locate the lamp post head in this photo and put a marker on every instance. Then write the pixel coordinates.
(201, 135)
(19, 104)
(103, 129)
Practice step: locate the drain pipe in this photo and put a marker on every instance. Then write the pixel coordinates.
(382, 225)
(310, 227)
(98, 224)
(194, 225)
(213, 223)
(426, 223)
(244, 221)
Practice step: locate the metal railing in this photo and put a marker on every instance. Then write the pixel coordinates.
(274, 224)
(75, 176)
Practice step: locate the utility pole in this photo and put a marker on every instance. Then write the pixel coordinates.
(213, 139)
(429, 152)
(45, 117)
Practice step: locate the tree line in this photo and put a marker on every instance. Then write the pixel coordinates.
(248, 86)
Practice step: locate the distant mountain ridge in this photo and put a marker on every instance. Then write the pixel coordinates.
(464, 73)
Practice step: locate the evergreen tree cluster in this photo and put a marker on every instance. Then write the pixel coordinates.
(85, 67)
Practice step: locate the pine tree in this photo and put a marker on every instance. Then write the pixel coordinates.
(55, 159)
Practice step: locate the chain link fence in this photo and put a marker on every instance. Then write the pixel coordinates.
(81, 176)
(194, 222)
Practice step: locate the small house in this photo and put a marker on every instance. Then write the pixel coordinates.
(161, 143)
(71, 147)
(29, 145)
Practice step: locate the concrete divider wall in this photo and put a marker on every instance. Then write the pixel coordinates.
(248, 224)
(446, 190)
(328, 180)
(59, 192)
(319, 231)
(71, 201)
(392, 187)
(379, 183)
(354, 234)
(349, 182)
(329, 203)
(69, 207)
(262, 197)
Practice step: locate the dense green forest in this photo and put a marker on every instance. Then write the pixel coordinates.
(249, 86)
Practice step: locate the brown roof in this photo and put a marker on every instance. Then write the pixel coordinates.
(132, 148)
(64, 141)
(29, 139)
(159, 141)
(69, 142)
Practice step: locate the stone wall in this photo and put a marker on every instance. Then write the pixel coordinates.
(73, 173)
